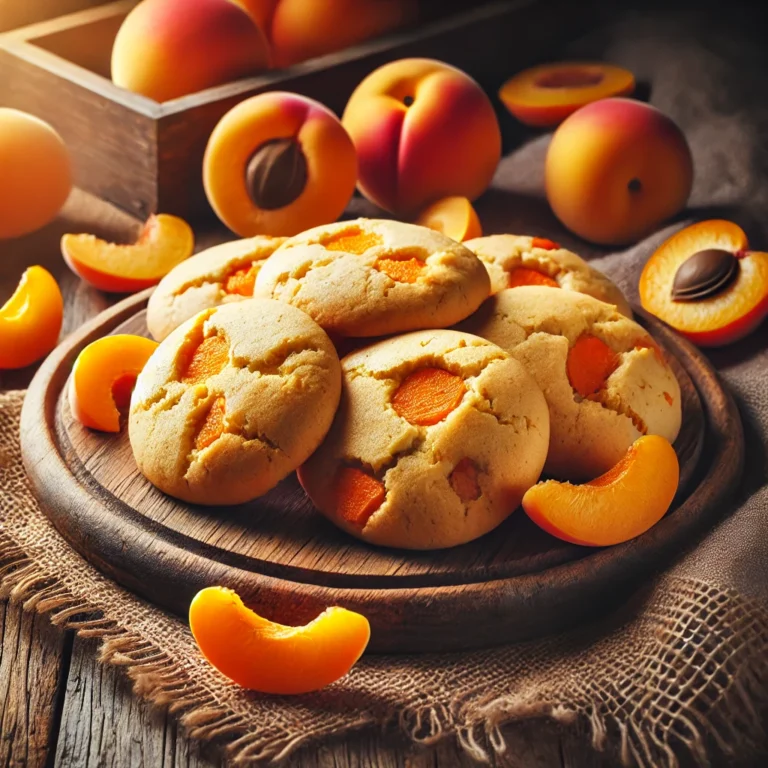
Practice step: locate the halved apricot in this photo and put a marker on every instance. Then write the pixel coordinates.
(706, 283)
(164, 242)
(621, 504)
(103, 378)
(454, 217)
(30, 321)
(272, 658)
(545, 95)
(428, 395)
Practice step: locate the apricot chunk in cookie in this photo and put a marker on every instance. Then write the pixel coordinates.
(707, 284)
(515, 260)
(371, 277)
(218, 275)
(438, 436)
(232, 401)
(605, 379)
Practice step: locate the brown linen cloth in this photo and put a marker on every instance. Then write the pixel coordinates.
(683, 669)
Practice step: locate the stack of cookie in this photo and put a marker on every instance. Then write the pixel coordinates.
(470, 369)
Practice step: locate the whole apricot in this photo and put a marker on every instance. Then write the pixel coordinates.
(423, 130)
(35, 173)
(616, 169)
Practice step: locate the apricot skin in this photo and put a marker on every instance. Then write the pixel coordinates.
(616, 169)
(271, 658)
(30, 321)
(98, 368)
(167, 49)
(35, 173)
(328, 149)
(423, 131)
(621, 504)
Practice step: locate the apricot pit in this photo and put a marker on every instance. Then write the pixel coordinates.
(263, 656)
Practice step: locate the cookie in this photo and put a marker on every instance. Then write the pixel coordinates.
(232, 401)
(605, 379)
(372, 277)
(438, 436)
(513, 260)
(218, 275)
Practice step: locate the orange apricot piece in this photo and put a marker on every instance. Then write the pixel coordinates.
(544, 243)
(103, 378)
(206, 360)
(213, 425)
(428, 395)
(358, 495)
(526, 276)
(590, 362)
(242, 281)
(621, 504)
(401, 270)
(464, 481)
(164, 242)
(454, 217)
(30, 321)
(263, 656)
(545, 95)
(352, 240)
(707, 284)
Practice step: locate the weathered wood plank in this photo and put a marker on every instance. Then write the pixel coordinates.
(33, 660)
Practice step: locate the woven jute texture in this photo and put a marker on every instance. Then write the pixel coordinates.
(681, 672)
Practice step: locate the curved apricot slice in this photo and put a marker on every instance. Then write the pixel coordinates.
(545, 95)
(271, 658)
(103, 378)
(623, 503)
(454, 217)
(30, 321)
(428, 395)
(590, 362)
(723, 293)
(526, 276)
(164, 242)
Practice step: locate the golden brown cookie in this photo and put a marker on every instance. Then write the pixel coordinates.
(513, 260)
(218, 275)
(232, 401)
(438, 436)
(604, 377)
(372, 277)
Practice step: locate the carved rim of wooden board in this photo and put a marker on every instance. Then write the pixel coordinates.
(430, 617)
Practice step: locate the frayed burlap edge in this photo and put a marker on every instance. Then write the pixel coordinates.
(688, 671)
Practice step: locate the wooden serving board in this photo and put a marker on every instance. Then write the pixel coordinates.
(289, 563)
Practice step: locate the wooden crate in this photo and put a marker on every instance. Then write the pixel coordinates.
(146, 157)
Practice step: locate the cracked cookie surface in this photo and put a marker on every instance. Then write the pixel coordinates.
(234, 400)
(372, 277)
(218, 275)
(437, 437)
(519, 260)
(605, 379)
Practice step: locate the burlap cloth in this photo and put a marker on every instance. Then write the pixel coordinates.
(683, 669)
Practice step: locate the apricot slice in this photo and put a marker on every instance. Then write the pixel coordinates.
(545, 95)
(590, 362)
(30, 321)
(242, 281)
(526, 276)
(358, 495)
(401, 268)
(103, 378)
(272, 658)
(164, 242)
(353, 240)
(206, 360)
(621, 504)
(428, 395)
(454, 217)
(706, 283)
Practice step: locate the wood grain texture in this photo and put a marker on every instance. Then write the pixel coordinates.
(289, 564)
(33, 660)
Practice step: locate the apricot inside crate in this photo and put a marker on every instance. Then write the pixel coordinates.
(146, 157)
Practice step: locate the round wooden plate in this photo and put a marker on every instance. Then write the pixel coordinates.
(289, 563)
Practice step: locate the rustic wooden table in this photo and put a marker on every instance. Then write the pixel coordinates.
(60, 707)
